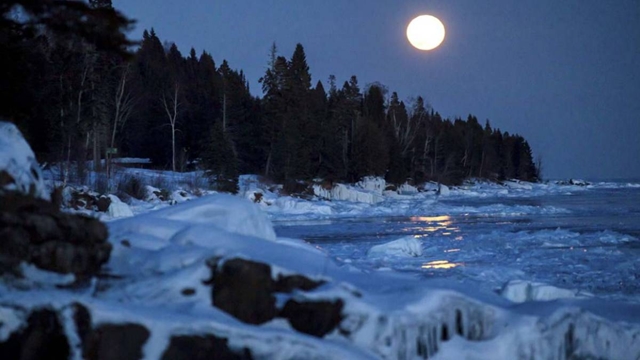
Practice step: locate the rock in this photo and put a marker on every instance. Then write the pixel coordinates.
(103, 203)
(246, 290)
(35, 231)
(316, 318)
(202, 347)
(115, 342)
(43, 338)
(287, 284)
(83, 200)
(188, 291)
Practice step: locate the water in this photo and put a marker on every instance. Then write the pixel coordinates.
(588, 240)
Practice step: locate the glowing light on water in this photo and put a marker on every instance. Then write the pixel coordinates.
(440, 264)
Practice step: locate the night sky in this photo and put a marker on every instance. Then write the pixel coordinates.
(563, 74)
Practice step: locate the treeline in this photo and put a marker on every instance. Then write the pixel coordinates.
(187, 112)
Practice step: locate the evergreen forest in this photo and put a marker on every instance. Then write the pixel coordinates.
(79, 98)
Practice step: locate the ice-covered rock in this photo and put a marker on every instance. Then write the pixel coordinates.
(291, 205)
(19, 170)
(372, 183)
(518, 185)
(118, 209)
(406, 189)
(406, 246)
(349, 193)
(443, 190)
(520, 291)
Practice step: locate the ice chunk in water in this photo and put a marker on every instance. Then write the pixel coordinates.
(406, 246)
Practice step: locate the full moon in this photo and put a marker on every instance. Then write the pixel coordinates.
(425, 32)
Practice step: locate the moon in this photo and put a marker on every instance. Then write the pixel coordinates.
(425, 32)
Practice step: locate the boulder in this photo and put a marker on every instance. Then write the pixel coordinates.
(115, 342)
(42, 338)
(202, 347)
(35, 231)
(316, 318)
(103, 203)
(246, 289)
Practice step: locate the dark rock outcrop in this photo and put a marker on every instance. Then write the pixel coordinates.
(316, 318)
(35, 231)
(202, 347)
(246, 290)
(103, 203)
(115, 342)
(42, 338)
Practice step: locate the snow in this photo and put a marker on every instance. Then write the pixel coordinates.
(118, 209)
(131, 160)
(33, 274)
(406, 246)
(19, 161)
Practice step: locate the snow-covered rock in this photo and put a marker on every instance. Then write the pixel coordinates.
(520, 291)
(406, 246)
(19, 170)
(118, 209)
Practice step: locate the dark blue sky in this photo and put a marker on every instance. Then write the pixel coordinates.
(564, 74)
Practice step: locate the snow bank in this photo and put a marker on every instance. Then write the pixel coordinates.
(23, 173)
(520, 291)
(406, 246)
(220, 210)
(118, 209)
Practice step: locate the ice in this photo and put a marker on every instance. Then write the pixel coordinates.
(406, 189)
(521, 291)
(406, 246)
(348, 193)
(443, 190)
(371, 183)
(19, 162)
(520, 185)
(289, 205)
